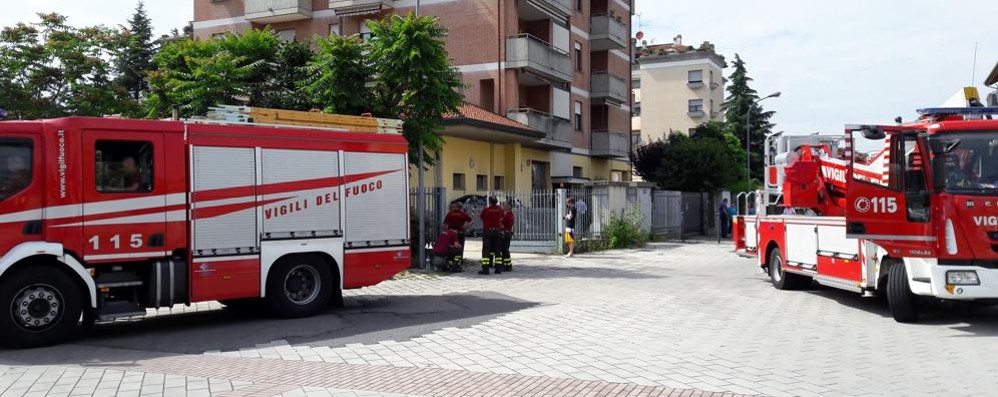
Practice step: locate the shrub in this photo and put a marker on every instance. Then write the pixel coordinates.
(625, 230)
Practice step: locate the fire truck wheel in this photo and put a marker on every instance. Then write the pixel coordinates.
(903, 303)
(44, 308)
(299, 286)
(781, 279)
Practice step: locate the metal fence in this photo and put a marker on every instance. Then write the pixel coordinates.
(436, 209)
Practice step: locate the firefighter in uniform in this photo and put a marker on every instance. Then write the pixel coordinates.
(508, 220)
(458, 220)
(491, 229)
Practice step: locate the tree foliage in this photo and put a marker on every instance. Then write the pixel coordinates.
(742, 100)
(50, 69)
(705, 161)
(340, 75)
(134, 60)
(415, 80)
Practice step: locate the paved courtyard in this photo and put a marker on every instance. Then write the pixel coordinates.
(670, 319)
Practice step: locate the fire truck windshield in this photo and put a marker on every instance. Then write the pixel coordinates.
(966, 162)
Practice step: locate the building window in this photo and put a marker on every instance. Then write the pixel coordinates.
(482, 183)
(458, 183)
(578, 5)
(617, 176)
(712, 77)
(578, 116)
(487, 94)
(635, 84)
(218, 35)
(286, 34)
(577, 172)
(578, 56)
(696, 76)
(637, 111)
(696, 105)
(691, 131)
(334, 29)
(365, 31)
(123, 166)
(498, 183)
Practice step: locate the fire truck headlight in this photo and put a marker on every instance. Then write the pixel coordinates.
(951, 247)
(962, 277)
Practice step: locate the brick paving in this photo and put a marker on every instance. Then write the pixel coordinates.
(671, 319)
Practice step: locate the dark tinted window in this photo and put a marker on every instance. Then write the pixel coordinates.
(15, 165)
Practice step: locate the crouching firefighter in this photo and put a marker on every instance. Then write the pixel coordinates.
(447, 251)
(458, 220)
(491, 229)
(508, 220)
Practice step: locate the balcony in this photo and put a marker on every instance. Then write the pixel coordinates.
(607, 32)
(346, 8)
(536, 10)
(532, 54)
(274, 11)
(609, 143)
(557, 131)
(608, 88)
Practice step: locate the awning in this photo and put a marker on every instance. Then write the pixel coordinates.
(367, 9)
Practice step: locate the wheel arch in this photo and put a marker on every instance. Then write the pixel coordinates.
(35, 253)
(770, 246)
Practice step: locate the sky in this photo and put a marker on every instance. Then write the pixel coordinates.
(835, 62)
(839, 62)
(165, 14)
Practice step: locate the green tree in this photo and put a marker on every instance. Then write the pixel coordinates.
(340, 76)
(741, 100)
(50, 69)
(415, 80)
(222, 78)
(705, 161)
(135, 58)
(284, 88)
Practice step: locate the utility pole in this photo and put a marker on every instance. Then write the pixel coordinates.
(421, 195)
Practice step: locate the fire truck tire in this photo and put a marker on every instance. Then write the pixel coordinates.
(903, 303)
(43, 308)
(299, 286)
(781, 279)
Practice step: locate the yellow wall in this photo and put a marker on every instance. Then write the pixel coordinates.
(664, 97)
(473, 158)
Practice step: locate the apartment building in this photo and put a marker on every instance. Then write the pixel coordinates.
(546, 80)
(675, 87)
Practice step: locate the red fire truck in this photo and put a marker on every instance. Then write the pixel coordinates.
(909, 211)
(103, 218)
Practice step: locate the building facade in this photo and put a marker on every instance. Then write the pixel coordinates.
(676, 88)
(546, 81)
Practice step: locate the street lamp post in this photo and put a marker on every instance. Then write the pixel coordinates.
(748, 140)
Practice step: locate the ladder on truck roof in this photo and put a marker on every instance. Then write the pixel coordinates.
(258, 116)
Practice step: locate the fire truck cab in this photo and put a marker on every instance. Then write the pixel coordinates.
(909, 211)
(104, 218)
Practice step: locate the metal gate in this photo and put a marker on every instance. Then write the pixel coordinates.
(667, 213)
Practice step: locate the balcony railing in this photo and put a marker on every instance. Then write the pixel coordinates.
(273, 11)
(531, 53)
(532, 10)
(557, 131)
(345, 8)
(610, 143)
(608, 87)
(607, 32)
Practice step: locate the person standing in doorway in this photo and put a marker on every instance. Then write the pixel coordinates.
(458, 220)
(491, 228)
(724, 218)
(570, 215)
(508, 220)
